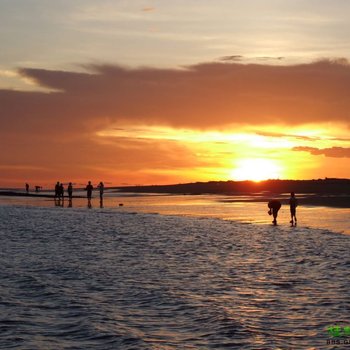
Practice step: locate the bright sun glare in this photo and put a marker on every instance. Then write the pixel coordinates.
(256, 169)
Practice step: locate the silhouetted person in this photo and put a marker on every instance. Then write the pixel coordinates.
(101, 187)
(293, 203)
(61, 191)
(274, 207)
(27, 188)
(70, 194)
(57, 190)
(88, 190)
(70, 191)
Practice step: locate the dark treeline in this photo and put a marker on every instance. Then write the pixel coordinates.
(320, 186)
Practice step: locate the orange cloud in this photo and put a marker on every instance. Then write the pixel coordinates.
(333, 152)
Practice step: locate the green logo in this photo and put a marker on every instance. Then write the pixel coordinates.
(338, 331)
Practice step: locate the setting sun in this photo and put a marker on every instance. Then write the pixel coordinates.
(256, 169)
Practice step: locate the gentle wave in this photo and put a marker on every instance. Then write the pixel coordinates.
(106, 279)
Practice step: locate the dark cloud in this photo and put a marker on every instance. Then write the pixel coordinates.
(211, 95)
(231, 58)
(333, 152)
(238, 58)
(268, 58)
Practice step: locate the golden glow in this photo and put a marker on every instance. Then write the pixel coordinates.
(256, 169)
(237, 153)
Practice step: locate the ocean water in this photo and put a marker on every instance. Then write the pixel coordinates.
(131, 278)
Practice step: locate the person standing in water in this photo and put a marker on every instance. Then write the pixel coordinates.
(293, 203)
(101, 187)
(274, 206)
(57, 190)
(61, 191)
(88, 190)
(27, 188)
(70, 191)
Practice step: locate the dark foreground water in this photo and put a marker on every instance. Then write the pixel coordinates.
(74, 278)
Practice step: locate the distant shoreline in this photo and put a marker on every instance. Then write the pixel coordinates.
(322, 192)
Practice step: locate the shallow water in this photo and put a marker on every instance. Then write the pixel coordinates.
(213, 206)
(116, 278)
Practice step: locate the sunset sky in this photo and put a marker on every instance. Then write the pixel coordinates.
(161, 92)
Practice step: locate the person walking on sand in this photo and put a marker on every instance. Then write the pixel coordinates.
(274, 206)
(70, 191)
(101, 187)
(293, 203)
(27, 188)
(88, 190)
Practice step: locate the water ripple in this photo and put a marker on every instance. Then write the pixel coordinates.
(85, 279)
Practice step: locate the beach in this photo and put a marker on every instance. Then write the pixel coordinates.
(175, 175)
(124, 278)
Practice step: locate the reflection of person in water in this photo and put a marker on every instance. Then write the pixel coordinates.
(274, 206)
(293, 203)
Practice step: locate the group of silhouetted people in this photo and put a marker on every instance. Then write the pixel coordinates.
(89, 188)
(59, 193)
(275, 205)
